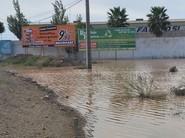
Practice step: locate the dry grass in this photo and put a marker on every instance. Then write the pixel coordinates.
(143, 85)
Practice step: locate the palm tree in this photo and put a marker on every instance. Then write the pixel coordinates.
(117, 17)
(158, 20)
(2, 29)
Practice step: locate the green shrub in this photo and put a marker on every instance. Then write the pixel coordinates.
(30, 61)
(39, 61)
(43, 61)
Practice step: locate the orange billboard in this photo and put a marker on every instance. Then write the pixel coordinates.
(49, 35)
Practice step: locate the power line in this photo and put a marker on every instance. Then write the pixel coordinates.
(72, 4)
(40, 14)
(49, 12)
(45, 18)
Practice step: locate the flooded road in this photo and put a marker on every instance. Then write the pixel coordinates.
(100, 97)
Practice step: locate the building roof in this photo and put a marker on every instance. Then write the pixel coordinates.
(140, 21)
(131, 22)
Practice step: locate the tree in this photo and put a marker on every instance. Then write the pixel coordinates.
(79, 23)
(59, 16)
(2, 29)
(158, 20)
(16, 22)
(117, 17)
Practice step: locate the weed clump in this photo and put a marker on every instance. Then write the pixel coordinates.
(143, 86)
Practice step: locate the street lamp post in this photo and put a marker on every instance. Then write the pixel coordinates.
(88, 43)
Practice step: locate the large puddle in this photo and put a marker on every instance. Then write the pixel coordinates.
(100, 97)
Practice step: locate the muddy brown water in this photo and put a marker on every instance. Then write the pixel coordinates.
(100, 97)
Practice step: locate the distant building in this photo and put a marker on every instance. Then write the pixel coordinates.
(141, 25)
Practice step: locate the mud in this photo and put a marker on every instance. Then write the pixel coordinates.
(28, 110)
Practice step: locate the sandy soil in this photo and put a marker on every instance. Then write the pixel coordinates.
(29, 111)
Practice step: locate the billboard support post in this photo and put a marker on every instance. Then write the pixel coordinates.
(88, 43)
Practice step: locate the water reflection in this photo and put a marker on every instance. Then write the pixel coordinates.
(100, 97)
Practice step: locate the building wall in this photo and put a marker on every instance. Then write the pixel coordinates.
(171, 45)
(6, 49)
(165, 47)
(46, 51)
(142, 27)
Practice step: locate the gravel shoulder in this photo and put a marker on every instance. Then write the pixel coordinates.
(30, 111)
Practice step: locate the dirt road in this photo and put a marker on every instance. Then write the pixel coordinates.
(26, 111)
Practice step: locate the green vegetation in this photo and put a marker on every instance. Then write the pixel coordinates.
(2, 29)
(158, 20)
(40, 61)
(59, 16)
(143, 86)
(79, 23)
(117, 17)
(16, 22)
(28, 60)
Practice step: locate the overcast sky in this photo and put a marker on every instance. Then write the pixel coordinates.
(35, 10)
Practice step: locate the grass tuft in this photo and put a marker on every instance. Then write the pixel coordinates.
(29, 60)
(143, 86)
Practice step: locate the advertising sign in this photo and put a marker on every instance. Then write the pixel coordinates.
(146, 29)
(110, 37)
(49, 35)
(83, 45)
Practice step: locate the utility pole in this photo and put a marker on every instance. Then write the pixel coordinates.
(88, 43)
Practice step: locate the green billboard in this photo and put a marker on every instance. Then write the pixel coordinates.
(109, 38)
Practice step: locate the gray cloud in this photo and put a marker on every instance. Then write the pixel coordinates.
(38, 9)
